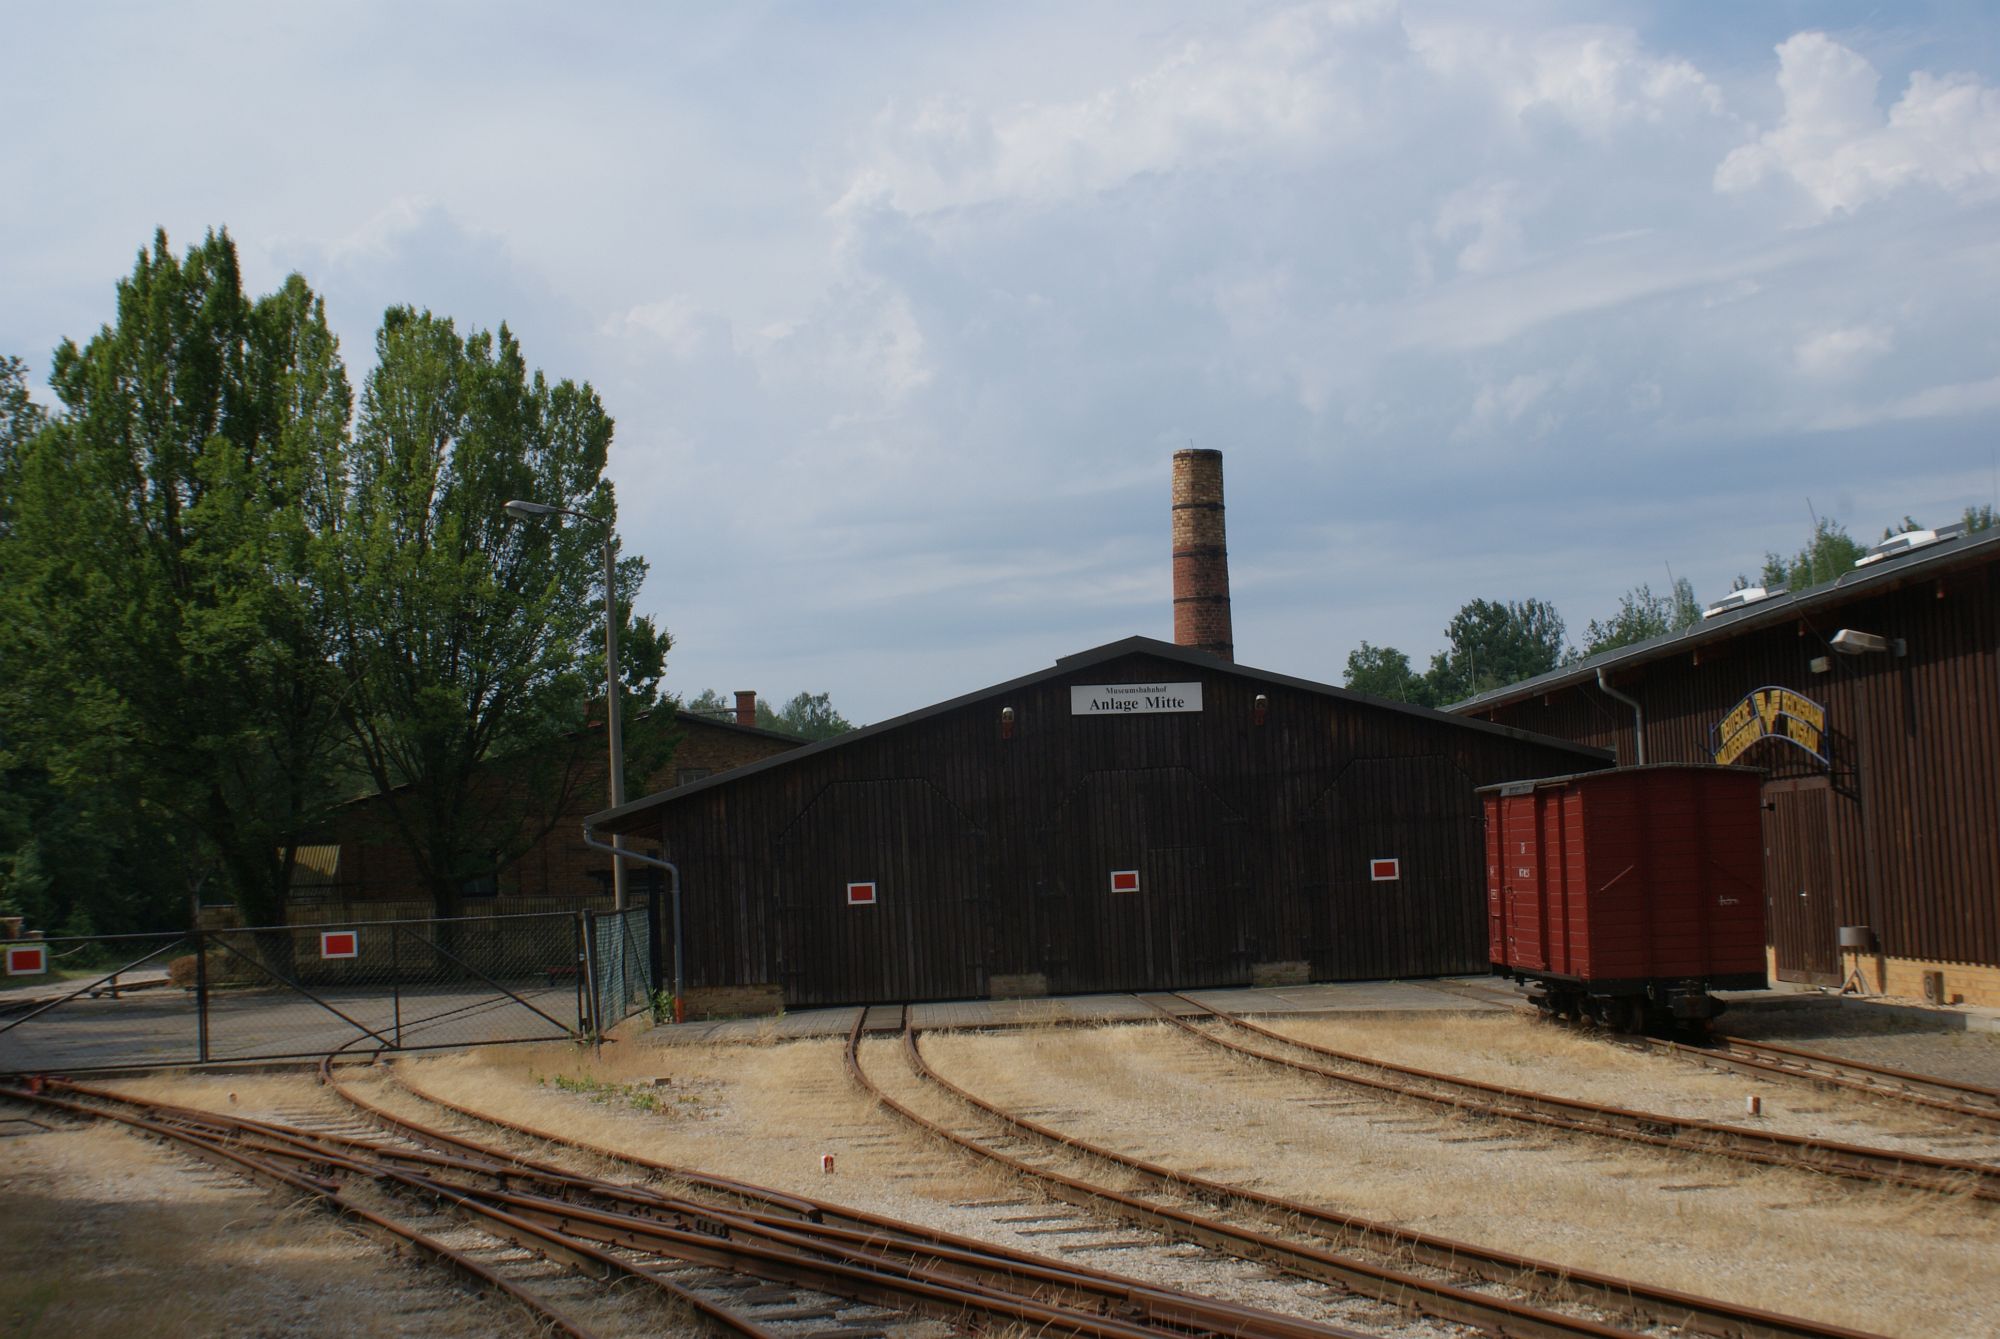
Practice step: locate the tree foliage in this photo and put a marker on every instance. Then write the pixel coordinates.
(1490, 644)
(163, 634)
(466, 635)
(812, 716)
(1828, 554)
(227, 604)
(1643, 615)
(1383, 671)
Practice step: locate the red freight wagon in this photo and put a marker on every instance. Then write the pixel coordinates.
(1628, 894)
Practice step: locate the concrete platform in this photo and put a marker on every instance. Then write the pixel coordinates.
(1445, 995)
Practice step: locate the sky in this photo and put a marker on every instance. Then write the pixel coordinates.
(902, 309)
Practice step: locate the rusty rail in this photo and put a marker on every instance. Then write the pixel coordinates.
(1640, 1303)
(1919, 1171)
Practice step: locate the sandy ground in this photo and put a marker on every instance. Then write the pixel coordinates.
(116, 1235)
(109, 1234)
(1892, 1261)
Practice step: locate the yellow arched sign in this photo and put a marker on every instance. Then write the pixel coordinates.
(1771, 713)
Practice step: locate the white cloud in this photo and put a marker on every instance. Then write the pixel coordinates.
(1492, 213)
(1955, 400)
(1597, 80)
(1836, 145)
(1286, 83)
(1833, 352)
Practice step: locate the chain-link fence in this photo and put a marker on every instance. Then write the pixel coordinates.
(277, 992)
(622, 975)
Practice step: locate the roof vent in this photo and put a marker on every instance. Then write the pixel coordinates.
(1737, 599)
(1897, 545)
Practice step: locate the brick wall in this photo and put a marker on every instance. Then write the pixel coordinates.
(376, 866)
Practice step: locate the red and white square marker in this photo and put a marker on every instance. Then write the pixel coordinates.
(340, 944)
(861, 894)
(27, 960)
(1385, 871)
(1124, 880)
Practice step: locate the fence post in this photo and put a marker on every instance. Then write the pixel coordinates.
(586, 977)
(200, 998)
(396, 980)
(653, 956)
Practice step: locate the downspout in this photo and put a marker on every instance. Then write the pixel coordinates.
(1638, 716)
(590, 839)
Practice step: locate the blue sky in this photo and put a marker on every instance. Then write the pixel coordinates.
(901, 309)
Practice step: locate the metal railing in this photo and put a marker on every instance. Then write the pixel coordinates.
(279, 992)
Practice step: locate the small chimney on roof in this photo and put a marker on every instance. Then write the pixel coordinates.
(746, 706)
(1201, 555)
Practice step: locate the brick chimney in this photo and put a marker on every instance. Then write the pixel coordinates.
(746, 706)
(1201, 556)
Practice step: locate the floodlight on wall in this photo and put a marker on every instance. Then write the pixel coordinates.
(1260, 707)
(1006, 722)
(1853, 642)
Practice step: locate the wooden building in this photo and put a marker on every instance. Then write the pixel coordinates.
(1873, 704)
(1139, 816)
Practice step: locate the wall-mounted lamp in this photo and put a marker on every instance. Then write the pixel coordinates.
(1006, 722)
(1260, 707)
(1852, 642)
(1819, 664)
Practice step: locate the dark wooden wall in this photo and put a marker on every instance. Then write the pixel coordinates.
(1902, 831)
(993, 855)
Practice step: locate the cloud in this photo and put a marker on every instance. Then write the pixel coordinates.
(1955, 400)
(1836, 146)
(1595, 80)
(1832, 352)
(1283, 85)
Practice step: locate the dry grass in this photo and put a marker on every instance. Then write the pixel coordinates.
(1887, 1260)
(764, 1112)
(108, 1234)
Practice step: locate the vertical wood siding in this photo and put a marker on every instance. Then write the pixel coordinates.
(994, 855)
(1903, 830)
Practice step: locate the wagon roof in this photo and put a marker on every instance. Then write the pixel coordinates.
(623, 818)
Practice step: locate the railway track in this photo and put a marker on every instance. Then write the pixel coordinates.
(1918, 1171)
(787, 1267)
(1434, 1276)
(1967, 1101)
(1762, 1059)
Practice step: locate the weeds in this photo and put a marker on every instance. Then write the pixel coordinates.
(609, 1092)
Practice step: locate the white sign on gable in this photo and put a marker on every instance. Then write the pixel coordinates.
(1120, 699)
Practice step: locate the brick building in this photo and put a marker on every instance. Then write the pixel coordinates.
(361, 859)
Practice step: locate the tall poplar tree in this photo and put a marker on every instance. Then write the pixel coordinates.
(163, 629)
(470, 641)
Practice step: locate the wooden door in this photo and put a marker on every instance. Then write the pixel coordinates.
(1801, 886)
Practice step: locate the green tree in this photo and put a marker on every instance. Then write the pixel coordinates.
(710, 703)
(1383, 671)
(1979, 518)
(812, 716)
(160, 630)
(1491, 644)
(1830, 553)
(469, 638)
(1643, 615)
(20, 419)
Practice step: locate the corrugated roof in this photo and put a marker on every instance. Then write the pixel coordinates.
(1857, 583)
(315, 865)
(613, 819)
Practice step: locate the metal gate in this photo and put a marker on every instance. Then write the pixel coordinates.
(291, 991)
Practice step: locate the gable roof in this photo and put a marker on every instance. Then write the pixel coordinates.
(1878, 578)
(618, 819)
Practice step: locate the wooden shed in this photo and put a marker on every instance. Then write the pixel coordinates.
(1872, 705)
(1139, 816)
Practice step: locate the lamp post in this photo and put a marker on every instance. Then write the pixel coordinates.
(535, 511)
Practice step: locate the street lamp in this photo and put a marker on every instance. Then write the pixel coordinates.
(535, 511)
